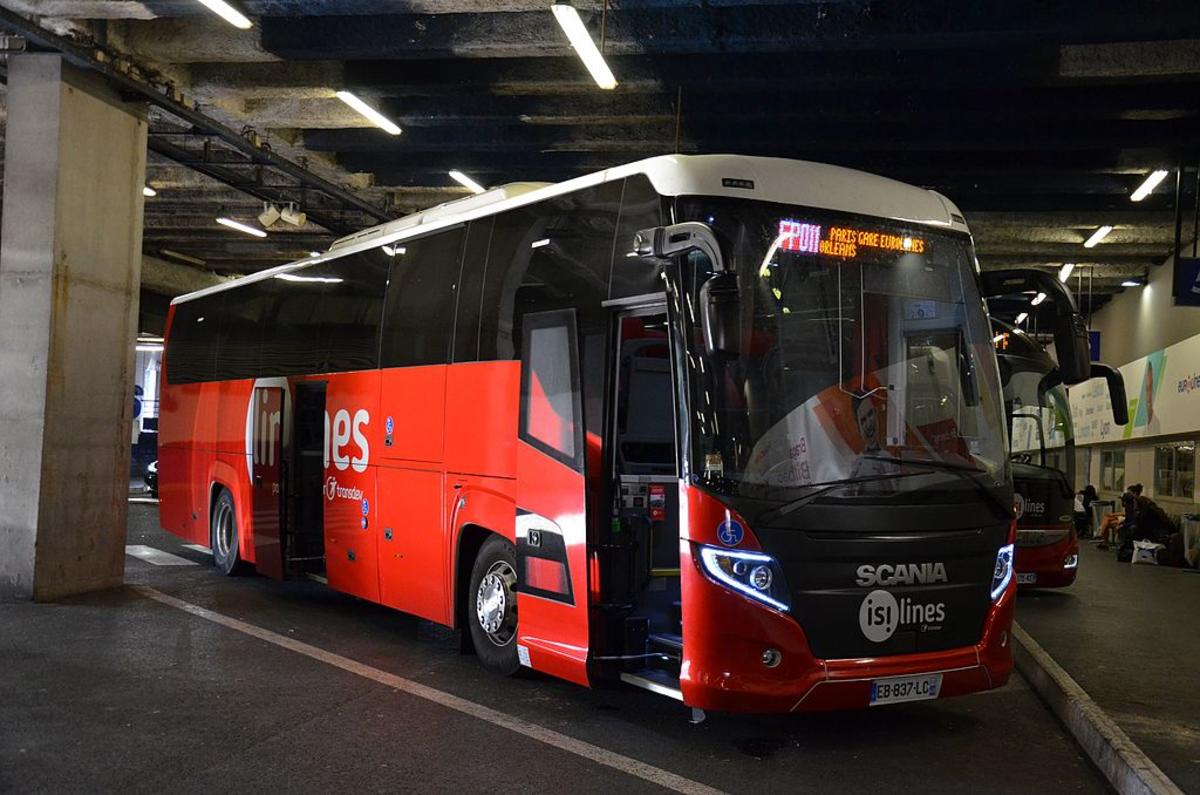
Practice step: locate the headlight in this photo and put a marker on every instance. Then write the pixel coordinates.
(1071, 561)
(752, 574)
(1003, 572)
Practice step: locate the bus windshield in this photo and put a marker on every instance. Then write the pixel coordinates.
(1035, 401)
(865, 358)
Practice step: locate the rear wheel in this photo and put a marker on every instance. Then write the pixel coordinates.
(492, 606)
(223, 534)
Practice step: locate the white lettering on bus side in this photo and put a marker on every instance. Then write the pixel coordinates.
(344, 428)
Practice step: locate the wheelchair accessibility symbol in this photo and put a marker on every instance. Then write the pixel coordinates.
(730, 533)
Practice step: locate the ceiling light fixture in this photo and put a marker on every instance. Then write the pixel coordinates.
(1037, 299)
(466, 182)
(1021, 318)
(392, 251)
(239, 226)
(1097, 236)
(568, 19)
(314, 253)
(293, 215)
(369, 113)
(148, 191)
(148, 348)
(269, 215)
(227, 13)
(166, 252)
(1131, 283)
(1064, 272)
(1147, 187)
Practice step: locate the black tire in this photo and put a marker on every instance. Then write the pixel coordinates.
(494, 602)
(223, 534)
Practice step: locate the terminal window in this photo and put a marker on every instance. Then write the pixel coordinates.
(1175, 469)
(1112, 470)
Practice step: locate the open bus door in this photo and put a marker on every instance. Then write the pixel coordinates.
(551, 526)
(267, 480)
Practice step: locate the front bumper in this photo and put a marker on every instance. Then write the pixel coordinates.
(725, 635)
(1047, 564)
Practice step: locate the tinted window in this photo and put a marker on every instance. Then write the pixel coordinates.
(474, 261)
(420, 300)
(641, 208)
(554, 254)
(351, 309)
(240, 336)
(291, 335)
(550, 396)
(191, 347)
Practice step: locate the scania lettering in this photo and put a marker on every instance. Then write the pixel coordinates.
(674, 424)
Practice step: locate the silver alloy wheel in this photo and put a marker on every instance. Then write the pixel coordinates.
(496, 603)
(225, 535)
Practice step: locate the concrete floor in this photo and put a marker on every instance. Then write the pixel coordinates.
(1130, 636)
(118, 692)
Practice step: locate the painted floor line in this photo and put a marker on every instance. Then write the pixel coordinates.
(156, 556)
(1123, 763)
(197, 548)
(594, 753)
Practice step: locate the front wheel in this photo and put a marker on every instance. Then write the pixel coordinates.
(223, 534)
(492, 606)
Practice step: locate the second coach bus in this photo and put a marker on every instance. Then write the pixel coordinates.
(726, 428)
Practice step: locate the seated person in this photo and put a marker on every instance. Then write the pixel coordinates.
(1150, 523)
(1083, 508)
(1111, 528)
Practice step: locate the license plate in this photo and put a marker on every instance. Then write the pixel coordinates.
(1026, 579)
(905, 688)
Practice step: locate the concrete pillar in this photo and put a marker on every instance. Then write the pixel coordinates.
(70, 260)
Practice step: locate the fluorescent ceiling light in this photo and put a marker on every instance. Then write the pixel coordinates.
(1147, 187)
(232, 224)
(227, 13)
(369, 113)
(1097, 236)
(295, 277)
(148, 191)
(1021, 318)
(166, 252)
(314, 253)
(1131, 283)
(585, 48)
(392, 251)
(149, 338)
(149, 348)
(545, 241)
(1064, 272)
(466, 182)
(1037, 299)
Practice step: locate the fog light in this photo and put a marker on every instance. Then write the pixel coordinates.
(760, 578)
(1070, 561)
(771, 658)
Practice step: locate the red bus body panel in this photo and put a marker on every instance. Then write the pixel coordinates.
(1047, 562)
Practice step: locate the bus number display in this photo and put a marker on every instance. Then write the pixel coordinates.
(842, 241)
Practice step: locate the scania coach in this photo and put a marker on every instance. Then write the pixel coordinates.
(727, 428)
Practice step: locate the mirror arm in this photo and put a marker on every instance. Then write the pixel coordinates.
(664, 242)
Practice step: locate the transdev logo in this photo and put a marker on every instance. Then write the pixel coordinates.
(334, 491)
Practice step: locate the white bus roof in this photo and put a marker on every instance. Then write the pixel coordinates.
(770, 179)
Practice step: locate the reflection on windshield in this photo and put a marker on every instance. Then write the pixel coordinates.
(864, 354)
(1038, 409)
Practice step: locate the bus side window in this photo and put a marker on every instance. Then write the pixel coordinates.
(191, 356)
(470, 290)
(551, 255)
(351, 309)
(419, 313)
(641, 208)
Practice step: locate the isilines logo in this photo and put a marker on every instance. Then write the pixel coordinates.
(881, 614)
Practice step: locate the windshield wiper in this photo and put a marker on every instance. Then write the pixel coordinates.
(805, 499)
(961, 472)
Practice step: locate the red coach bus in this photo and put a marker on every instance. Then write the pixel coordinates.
(726, 428)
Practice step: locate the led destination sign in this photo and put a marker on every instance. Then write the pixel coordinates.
(841, 241)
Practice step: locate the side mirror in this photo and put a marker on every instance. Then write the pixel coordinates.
(720, 314)
(1070, 334)
(1116, 391)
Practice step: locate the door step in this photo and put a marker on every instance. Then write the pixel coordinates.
(660, 682)
(667, 643)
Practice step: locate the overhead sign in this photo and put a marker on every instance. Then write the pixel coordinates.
(842, 241)
(1187, 281)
